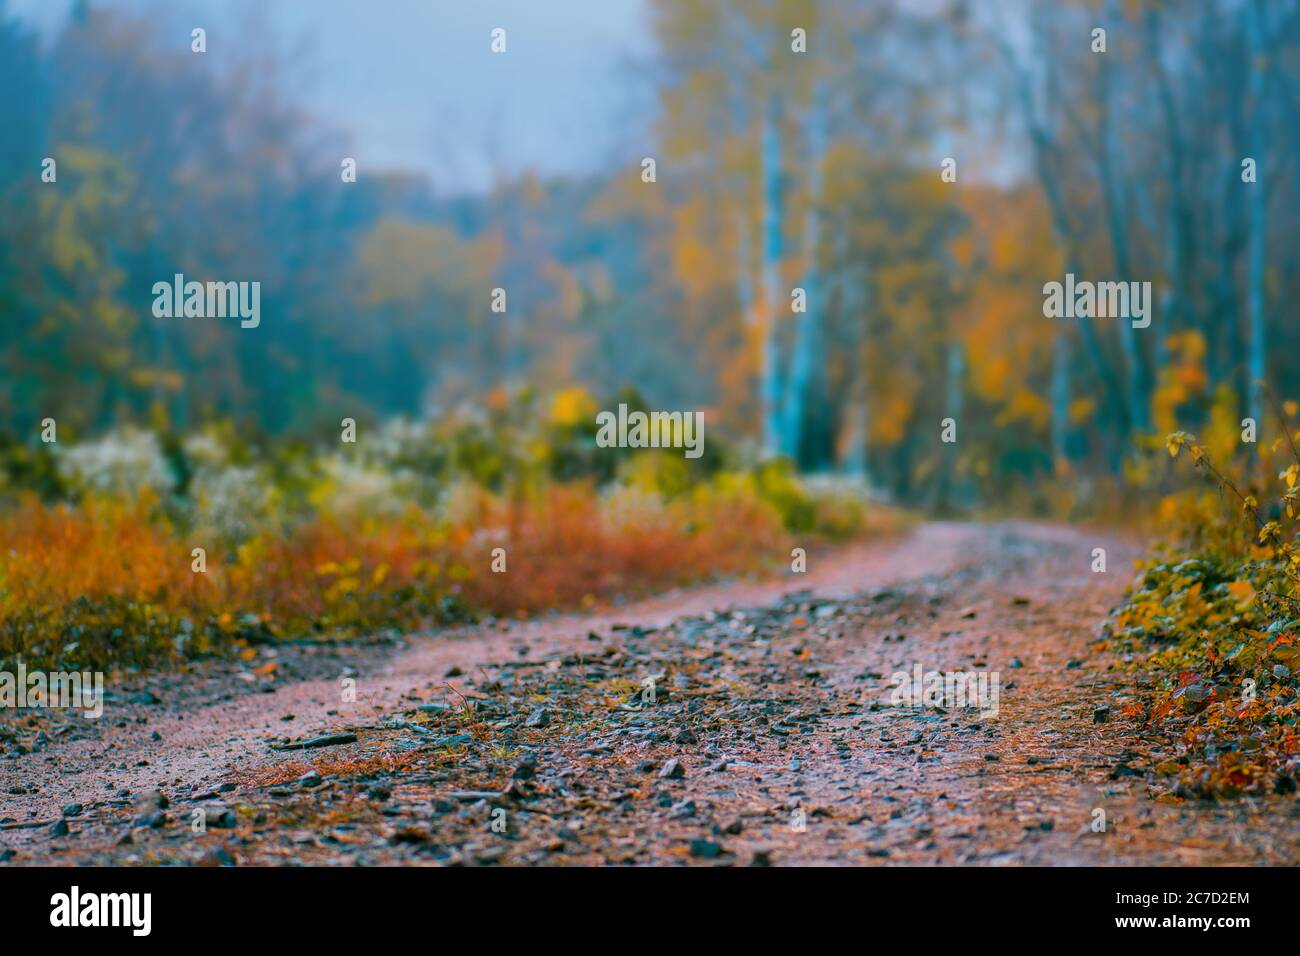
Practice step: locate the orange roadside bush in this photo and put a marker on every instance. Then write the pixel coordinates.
(111, 582)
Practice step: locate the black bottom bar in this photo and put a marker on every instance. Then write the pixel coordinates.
(366, 905)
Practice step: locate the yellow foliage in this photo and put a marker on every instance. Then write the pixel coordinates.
(571, 406)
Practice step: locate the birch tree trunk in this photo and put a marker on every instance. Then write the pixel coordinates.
(857, 419)
(807, 359)
(1256, 220)
(1060, 427)
(773, 298)
(1138, 387)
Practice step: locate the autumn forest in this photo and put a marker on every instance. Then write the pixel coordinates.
(562, 482)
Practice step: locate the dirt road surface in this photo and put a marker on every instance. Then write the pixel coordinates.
(745, 723)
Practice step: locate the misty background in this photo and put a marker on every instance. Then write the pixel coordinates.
(775, 169)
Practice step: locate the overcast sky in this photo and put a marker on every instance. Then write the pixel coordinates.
(415, 85)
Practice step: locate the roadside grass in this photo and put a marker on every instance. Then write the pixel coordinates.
(114, 580)
(1216, 614)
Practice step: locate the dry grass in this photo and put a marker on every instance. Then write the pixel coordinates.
(345, 767)
(111, 583)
